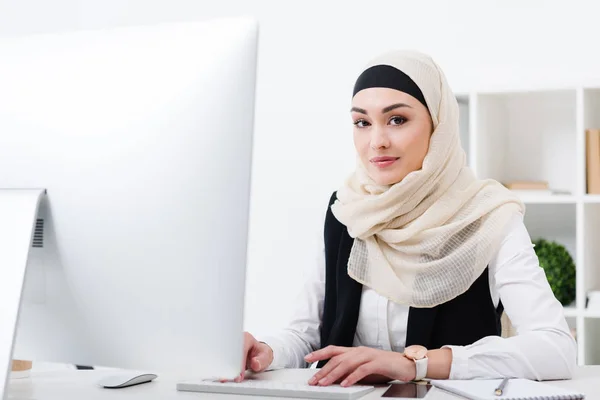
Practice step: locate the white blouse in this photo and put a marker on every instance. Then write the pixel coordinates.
(542, 349)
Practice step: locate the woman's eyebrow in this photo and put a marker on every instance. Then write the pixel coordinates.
(383, 111)
(359, 110)
(393, 107)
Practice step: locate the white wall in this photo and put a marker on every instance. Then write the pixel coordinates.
(310, 54)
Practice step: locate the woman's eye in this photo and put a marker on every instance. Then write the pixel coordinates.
(361, 123)
(397, 120)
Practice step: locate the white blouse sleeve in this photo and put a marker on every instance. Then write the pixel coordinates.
(302, 334)
(543, 348)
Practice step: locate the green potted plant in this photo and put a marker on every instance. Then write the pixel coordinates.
(559, 267)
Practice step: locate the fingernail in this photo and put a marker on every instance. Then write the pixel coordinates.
(344, 383)
(323, 381)
(312, 381)
(308, 356)
(259, 366)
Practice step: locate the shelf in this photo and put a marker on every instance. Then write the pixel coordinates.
(560, 199)
(527, 136)
(570, 312)
(591, 198)
(549, 199)
(539, 135)
(591, 313)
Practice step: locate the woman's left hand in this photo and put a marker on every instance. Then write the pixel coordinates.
(353, 364)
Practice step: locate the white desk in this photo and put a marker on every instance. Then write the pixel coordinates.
(81, 385)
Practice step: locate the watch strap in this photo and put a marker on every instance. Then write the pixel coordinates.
(421, 366)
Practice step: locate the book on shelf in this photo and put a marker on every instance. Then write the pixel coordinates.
(529, 188)
(592, 140)
(527, 185)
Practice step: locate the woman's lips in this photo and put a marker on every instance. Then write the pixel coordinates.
(383, 162)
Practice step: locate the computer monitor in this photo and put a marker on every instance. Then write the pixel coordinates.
(141, 139)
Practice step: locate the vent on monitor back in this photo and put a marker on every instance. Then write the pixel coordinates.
(38, 234)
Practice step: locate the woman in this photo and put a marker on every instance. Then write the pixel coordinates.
(421, 257)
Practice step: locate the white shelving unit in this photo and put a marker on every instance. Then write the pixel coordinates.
(539, 134)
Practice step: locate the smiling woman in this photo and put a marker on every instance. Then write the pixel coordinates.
(392, 123)
(421, 258)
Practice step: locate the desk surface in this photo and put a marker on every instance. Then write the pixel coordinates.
(81, 385)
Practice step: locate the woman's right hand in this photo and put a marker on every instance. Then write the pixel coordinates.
(257, 357)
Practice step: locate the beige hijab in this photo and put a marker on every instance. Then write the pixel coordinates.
(425, 240)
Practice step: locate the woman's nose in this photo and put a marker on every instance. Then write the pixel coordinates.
(379, 139)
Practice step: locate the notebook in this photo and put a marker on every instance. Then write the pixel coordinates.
(515, 389)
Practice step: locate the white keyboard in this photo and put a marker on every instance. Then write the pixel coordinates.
(279, 389)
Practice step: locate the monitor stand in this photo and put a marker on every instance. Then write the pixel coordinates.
(18, 212)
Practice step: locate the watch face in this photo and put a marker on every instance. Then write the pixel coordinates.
(415, 351)
(409, 390)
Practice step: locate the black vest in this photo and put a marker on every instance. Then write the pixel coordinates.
(461, 321)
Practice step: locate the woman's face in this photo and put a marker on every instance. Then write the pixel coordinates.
(391, 133)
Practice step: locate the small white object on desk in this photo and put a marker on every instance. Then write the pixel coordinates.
(125, 379)
(273, 388)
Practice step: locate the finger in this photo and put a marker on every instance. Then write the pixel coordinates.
(256, 365)
(355, 357)
(248, 343)
(348, 363)
(325, 353)
(342, 370)
(327, 368)
(260, 363)
(360, 373)
(240, 377)
(260, 358)
(223, 380)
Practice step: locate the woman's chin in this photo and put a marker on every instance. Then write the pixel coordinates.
(387, 178)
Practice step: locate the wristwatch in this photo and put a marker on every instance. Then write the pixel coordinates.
(418, 354)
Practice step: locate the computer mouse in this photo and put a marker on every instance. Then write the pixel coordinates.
(125, 379)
